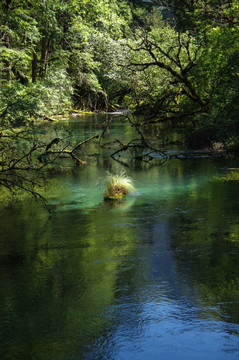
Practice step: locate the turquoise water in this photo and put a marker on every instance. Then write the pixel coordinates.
(155, 276)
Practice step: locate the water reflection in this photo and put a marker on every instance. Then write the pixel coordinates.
(155, 276)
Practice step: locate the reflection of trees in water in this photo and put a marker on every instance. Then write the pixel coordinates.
(205, 248)
(56, 297)
(85, 274)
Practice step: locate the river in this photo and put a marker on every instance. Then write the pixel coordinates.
(155, 276)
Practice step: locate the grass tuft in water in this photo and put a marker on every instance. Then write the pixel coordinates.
(118, 186)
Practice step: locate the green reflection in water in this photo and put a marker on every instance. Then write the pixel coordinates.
(71, 278)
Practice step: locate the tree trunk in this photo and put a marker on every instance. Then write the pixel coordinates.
(34, 64)
(45, 46)
(8, 62)
(0, 56)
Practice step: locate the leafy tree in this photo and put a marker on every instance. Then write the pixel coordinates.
(174, 55)
(21, 144)
(194, 15)
(197, 68)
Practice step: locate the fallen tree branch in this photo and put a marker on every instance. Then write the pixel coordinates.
(72, 152)
(68, 152)
(11, 184)
(45, 117)
(84, 142)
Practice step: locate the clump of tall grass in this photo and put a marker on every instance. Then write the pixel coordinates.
(118, 186)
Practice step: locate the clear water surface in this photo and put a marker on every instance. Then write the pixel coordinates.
(153, 277)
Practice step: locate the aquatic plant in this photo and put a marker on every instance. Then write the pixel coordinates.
(118, 186)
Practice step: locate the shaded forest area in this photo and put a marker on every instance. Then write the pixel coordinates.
(168, 60)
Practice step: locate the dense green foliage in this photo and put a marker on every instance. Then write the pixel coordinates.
(69, 42)
(169, 61)
(188, 66)
(173, 59)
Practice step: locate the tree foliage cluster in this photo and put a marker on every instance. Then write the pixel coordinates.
(171, 57)
(187, 66)
(68, 47)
